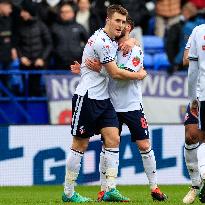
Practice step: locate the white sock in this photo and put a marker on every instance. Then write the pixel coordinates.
(111, 164)
(102, 169)
(149, 164)
(73, 164)
(190, 154)
(201, 160)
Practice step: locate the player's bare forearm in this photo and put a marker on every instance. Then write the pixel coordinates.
(127, 75)
(185, 57)
(194, 108)
(117, 73)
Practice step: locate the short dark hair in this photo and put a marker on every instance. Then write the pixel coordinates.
(116, 8)
(5, 2)
(130, 22)
(67, 3)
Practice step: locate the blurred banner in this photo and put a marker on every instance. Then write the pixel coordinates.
(164, 97)
(60, 90)
(31, 155)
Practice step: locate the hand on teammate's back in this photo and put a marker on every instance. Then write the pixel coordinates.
(194, 108)
(75, 68)
(94, 64)
(142, 73)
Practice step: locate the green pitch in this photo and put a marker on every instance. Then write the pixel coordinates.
(51, 195)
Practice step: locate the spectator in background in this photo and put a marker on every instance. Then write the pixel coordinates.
(138, 12)
(69, 38)
(34, 44)
(87, 17)
(100, 6)
(167, 14)
(48, 11)
(177, 38)
(200, 4)
(8, 53)
(7, 50)
(140, 15)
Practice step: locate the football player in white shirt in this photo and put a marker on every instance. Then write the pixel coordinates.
(196, 74)
(192, 138)
(126, 96)
(93, 110)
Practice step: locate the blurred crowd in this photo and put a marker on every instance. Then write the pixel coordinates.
(51, 34)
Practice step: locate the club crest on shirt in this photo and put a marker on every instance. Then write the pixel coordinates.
(203, 47)
(82, 130)
(136, 61)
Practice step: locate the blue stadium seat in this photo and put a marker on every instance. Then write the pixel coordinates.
(148, 61)
(153, 44)
(161, 61)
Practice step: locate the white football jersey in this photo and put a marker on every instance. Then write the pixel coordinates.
(126, 95)
(197, 66)
(99, 46)
(188, 45)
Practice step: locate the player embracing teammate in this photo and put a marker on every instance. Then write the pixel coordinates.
(93, 111)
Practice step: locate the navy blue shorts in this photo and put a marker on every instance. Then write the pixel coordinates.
(90, 115)
(202, 115)
(136, 122)
(189, 117)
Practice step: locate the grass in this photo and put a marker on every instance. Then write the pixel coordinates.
(51, 195)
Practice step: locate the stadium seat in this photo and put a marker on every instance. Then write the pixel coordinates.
(148, 61)
(161, 61)
(153, 44)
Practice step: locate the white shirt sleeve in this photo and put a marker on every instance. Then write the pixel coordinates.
(193, 68)
(193, 53)
(105, 51)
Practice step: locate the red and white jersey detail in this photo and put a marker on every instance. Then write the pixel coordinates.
(126, 95)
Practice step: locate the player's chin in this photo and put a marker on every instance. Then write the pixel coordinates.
(118, 33)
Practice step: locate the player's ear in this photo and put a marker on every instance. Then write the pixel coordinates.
(128, 28)
(107, 19)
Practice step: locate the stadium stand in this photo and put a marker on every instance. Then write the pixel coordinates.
(148, 61)
(153, 44)
(160, 61)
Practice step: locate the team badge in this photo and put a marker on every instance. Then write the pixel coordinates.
(136, 61)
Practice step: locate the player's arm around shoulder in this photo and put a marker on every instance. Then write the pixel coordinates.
(121, 74)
